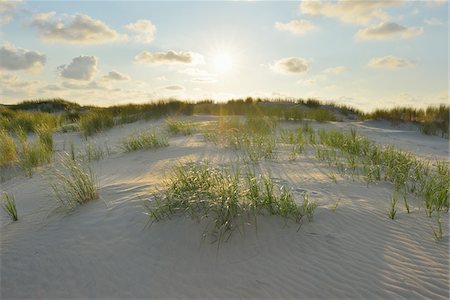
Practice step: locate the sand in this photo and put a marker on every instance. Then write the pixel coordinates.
(104, 250)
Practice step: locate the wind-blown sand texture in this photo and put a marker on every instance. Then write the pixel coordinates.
(103, 249)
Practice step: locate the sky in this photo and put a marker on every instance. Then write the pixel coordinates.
(367, 54)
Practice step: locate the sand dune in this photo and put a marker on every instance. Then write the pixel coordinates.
(104, 250)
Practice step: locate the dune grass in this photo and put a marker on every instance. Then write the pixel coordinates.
(73, 184)
(392, 208)
(95, 121)
(143, 140)
(224, 198)
(9, 205)
(93, 151)
(32, 154)
(437, 233)
(255, 137)
(357, 155)
(175, 127)
(8, 152)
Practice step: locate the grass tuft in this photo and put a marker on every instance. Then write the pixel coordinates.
(144, 140)
(9, 205)
(73, 184)
(224, 198)
(174, 126)
(392, 209)
(8, 152)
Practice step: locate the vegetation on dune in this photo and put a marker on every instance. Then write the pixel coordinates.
(73, 183)
(224, 198)
(144, 140)
(8, 152)
(32, 154)
(11, 120)
(9, 205)
(174, 126)
(255, 136)
(95, 121)
(433, 120)
(352, 153)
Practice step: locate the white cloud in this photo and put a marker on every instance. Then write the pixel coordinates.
(335, 70)
(90, 86)
(81, 68)
(194, 72)
(114, 75)
(388, 30)
(13, 86)
(173, 88)
(204, 79)
(350, 11)
(291, 65)
(436, 2)
(74, 29)
(298, 27)
(313, 80)
(170, 57)
(145, 31)
(7, 9)
(390, 62)
(14, 59)
(200, 76)
(434, 22)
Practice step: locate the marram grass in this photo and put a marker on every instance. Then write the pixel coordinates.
(73, 184)
(9, 206)
(224, 198)
(143, 140)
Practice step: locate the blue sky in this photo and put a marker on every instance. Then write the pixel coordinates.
(367, 54)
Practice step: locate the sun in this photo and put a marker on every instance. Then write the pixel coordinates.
(223, 62)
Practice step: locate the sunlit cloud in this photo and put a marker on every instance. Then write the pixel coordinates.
(298, 27)
(74, 29)
(12, 85)
(7, 10)
(390, 62)
(81, 68)
(388, 30)
(291, 65)
(114, 75)
(145, 31)
(15, 59)
(435, 22)
(335, 70)
(89, 86)
(313, 80)
(350, 11)
(173, 88)
(170, 57)
(436, 2)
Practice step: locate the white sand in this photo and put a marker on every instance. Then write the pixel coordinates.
(103, 250)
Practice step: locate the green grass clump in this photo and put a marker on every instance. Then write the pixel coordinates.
(354, 154)
(255, 137)
(34, 153)
(438, 235)
(95, 121)
(94, 152)
(224, 198)
(9, 205)
(144, 140)
(392, 209)
(73, 184)
(179, 127)
(10, 120)
(8, 152)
